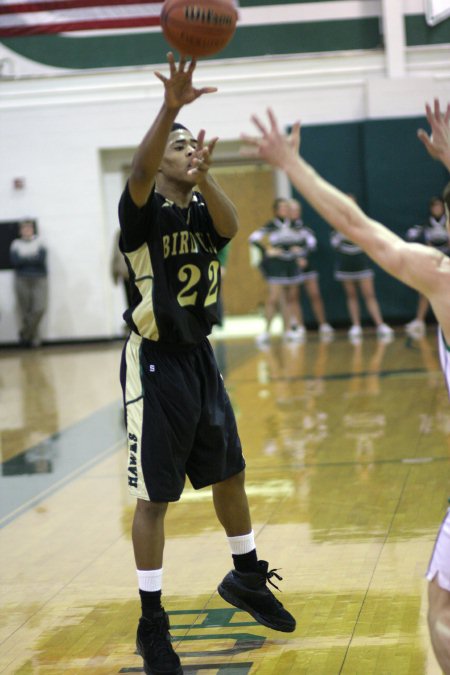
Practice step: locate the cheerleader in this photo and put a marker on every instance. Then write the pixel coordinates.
(432, 233)
(354, 271)
(307, 242)
(277, 242)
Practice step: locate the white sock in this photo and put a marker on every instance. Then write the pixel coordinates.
(242, 544)
(150, 580)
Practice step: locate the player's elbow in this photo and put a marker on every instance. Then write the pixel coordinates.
(227, 222)
(228, 229)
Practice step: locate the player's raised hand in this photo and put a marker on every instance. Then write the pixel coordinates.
(272, 145)
(179, 89)
(201, 160)
(437, 142)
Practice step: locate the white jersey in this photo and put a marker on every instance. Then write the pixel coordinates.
(439, 566)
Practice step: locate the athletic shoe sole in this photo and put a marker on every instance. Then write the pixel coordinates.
(151, 671)
(240, 604)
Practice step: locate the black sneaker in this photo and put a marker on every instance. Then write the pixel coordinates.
(248, 591)
(154, 645)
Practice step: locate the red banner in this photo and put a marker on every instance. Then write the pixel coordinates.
(59, 16)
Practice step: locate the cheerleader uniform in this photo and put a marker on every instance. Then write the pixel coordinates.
(352, 263)
(282, 268)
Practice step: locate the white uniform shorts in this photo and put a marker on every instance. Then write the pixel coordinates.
(439, 567)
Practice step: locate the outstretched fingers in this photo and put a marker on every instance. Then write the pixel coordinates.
(212, 144)
(172, 67)
(435, 114)
(182, 63)
(160, 76)
(203, 153)
(447, 115)
(423, 136)
(203, 149)
(430, 114)
(257, 122)
(437, 109)
(296, 135)
(272, 144)
(206, 90)
(192, 66)
(200, 139)
(272, 120)
(172, 64)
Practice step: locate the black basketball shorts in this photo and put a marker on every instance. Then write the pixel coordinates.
(179, 419)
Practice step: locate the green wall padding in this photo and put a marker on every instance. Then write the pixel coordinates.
(388, 170)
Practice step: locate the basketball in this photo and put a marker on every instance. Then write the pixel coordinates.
(198, 27)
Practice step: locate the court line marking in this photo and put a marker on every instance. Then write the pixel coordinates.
(315, 465)
(346, 376)
(404, 372)
(83, 468)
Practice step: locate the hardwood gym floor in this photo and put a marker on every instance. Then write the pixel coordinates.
(347, 448)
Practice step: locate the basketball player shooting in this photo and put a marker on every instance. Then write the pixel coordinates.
(423, 268)
(178, 414)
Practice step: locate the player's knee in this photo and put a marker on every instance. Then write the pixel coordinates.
(440, 638)
(239, 478)
(234, 482)
(151, 510)
(439, 623)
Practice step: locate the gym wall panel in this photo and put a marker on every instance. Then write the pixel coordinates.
(265, 28)
(58, 123)
(111, 51)
(383, 164)
(336, 152)
(400, 179)
(418, 32)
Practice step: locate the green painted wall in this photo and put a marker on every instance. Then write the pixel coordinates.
(146, 48)
(419, 33)
(134, 49)
(384, 165)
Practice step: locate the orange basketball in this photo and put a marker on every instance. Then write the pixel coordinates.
(198, 27)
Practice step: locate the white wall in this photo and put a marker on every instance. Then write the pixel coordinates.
(68, 136)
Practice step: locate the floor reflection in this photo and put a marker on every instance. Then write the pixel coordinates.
(31, 413)
(347, 475)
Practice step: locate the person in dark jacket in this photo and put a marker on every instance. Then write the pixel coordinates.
(28, 257)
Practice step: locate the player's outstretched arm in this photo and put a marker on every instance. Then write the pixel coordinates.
(178, 91)
(411, 263)
(437, 142)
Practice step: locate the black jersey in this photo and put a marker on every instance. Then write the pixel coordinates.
(171, 254)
